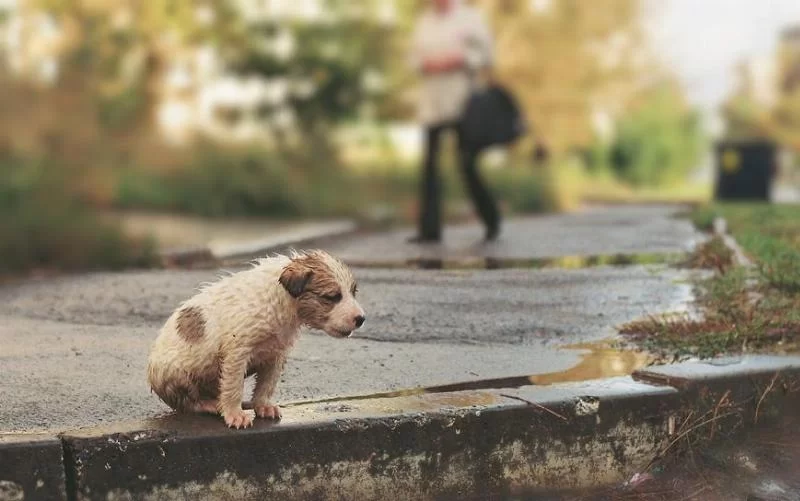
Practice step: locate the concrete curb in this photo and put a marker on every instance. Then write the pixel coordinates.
(458, 445)
(214, 255)
(720, 226)
(31, 467)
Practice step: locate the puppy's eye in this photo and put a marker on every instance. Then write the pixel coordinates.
(334, 298)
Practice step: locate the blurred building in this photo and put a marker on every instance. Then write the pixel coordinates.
(198, 94)
(202, 97)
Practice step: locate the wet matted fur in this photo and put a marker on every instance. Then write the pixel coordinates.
(245, 324)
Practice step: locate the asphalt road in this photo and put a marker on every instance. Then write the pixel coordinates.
(73, 349)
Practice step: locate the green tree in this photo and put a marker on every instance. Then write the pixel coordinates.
(335, 66)
(113, 58)
(659, 141)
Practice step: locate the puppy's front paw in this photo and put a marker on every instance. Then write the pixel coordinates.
(238, 419)
(268, 411)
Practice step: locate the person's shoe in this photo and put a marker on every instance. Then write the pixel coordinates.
(492, 232)
(418, 239)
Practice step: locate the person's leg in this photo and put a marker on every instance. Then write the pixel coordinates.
(430, 218)
(479, 191)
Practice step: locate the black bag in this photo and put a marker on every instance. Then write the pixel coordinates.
(492, 117)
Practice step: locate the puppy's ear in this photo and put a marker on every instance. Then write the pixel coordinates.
(295, 278)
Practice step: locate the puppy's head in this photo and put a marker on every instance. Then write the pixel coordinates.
(325, 291)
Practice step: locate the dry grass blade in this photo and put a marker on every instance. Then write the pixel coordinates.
(538, 406)
(768, 389)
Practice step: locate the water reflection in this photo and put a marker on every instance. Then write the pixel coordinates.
(602, 360)
(493, 263)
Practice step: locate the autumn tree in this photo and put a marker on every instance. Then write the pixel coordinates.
(83, 78)
(785, 117)
(569, 59)
(744, 115)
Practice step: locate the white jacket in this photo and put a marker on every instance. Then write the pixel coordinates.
(464, 30)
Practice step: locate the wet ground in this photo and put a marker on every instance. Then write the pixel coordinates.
(761, 465)
(600, 231)
(73, 349)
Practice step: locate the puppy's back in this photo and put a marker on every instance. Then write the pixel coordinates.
(244, 302)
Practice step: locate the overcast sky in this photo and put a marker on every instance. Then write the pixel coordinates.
(704, 39)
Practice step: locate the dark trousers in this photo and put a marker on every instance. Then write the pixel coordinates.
(430, 216)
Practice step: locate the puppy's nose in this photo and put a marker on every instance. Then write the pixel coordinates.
(360, 321)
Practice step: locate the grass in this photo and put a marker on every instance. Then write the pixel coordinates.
(713, 254)
(744, 309)
(609, 190)
(769, 233)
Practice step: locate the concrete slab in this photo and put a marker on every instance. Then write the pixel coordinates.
(601, 231)
(243, 243)
(176, 231)
(74, 349)
(299, 236)
(703, 371)
(31, 467)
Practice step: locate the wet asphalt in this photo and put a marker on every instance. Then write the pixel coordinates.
(73, 349)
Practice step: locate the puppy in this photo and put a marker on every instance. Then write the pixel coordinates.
(245, 324)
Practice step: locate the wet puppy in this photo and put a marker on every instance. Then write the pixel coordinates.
(245, 324)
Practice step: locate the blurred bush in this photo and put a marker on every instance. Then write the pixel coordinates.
(224, 182)
(44, 224)
(658, 143)
(216, 183)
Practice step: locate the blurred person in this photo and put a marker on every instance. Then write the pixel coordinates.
(451, 44)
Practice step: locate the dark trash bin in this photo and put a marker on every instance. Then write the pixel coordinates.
(745, 170)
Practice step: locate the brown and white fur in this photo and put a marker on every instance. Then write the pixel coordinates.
(245, 324)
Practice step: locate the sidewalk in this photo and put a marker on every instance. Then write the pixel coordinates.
(179, 231)
(74, 349)
(86, 337)
(597, 232)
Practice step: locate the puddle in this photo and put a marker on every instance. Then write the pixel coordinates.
(601, 361)
(492, 263)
